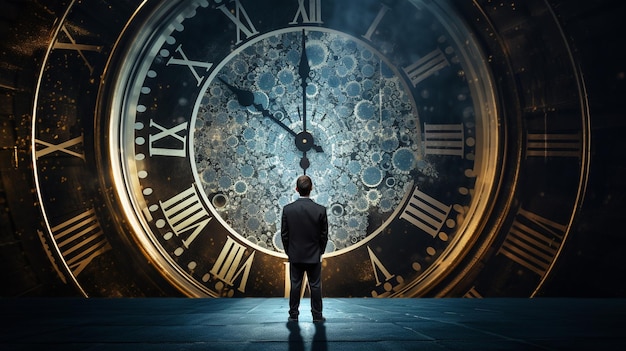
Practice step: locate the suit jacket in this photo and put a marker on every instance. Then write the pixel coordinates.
(304, 231)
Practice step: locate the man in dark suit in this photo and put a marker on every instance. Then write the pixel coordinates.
(304, 233)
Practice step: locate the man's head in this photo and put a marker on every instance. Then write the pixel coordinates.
(304, 185)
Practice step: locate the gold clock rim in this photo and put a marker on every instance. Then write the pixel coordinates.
(122, 174)
(50, 241)
(113, 172)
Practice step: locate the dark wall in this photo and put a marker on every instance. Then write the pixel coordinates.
(594, 261)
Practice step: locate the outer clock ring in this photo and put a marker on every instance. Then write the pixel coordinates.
(511, 200)
(158, 248)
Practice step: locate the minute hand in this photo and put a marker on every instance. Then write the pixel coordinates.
(304, 69)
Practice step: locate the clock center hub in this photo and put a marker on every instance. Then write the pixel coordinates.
(304, 141)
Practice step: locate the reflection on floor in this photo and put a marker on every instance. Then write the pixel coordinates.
(352, 324)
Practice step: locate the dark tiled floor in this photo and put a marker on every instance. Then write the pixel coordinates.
(353, 324)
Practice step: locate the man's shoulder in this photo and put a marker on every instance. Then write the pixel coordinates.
(306, 202)
(290, 205)
(317, 206)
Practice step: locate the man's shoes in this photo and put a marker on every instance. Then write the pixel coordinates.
(292, 319)
(319, 319)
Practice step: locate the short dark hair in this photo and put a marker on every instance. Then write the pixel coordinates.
(304, 185)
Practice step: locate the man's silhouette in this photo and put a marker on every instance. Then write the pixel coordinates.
(304, 233)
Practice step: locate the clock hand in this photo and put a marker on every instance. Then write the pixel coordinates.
(304, 162)
(304, 69)
(246, 98)
(305, 141)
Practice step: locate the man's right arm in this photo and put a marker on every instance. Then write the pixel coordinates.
(324, 231)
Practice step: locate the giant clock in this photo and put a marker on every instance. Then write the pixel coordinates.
(167, 136)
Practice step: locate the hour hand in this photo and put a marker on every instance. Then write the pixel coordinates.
(244, 97)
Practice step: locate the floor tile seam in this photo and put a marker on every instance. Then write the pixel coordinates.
(486, 332)
(372, 308)
(257, 306)
(427, 337)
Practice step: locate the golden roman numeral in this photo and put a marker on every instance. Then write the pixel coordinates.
(247, 28)
(171, 133)
(533, 241)
(79, 48)
(444, 139)
(192, 65)
(63, 147)
(186, 216)
(425, 212)
(553, 145)
(381, 13)
(473, 293)
(426, 66)
(312, 15)
(227, 267)
(386, 287)
(80, 239)
(378, 266)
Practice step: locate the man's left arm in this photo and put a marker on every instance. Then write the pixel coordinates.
(284, 231)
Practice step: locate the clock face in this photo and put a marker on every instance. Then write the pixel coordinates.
(208, 111)
(362, 123)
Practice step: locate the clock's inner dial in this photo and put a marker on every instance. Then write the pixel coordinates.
(364, 132)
